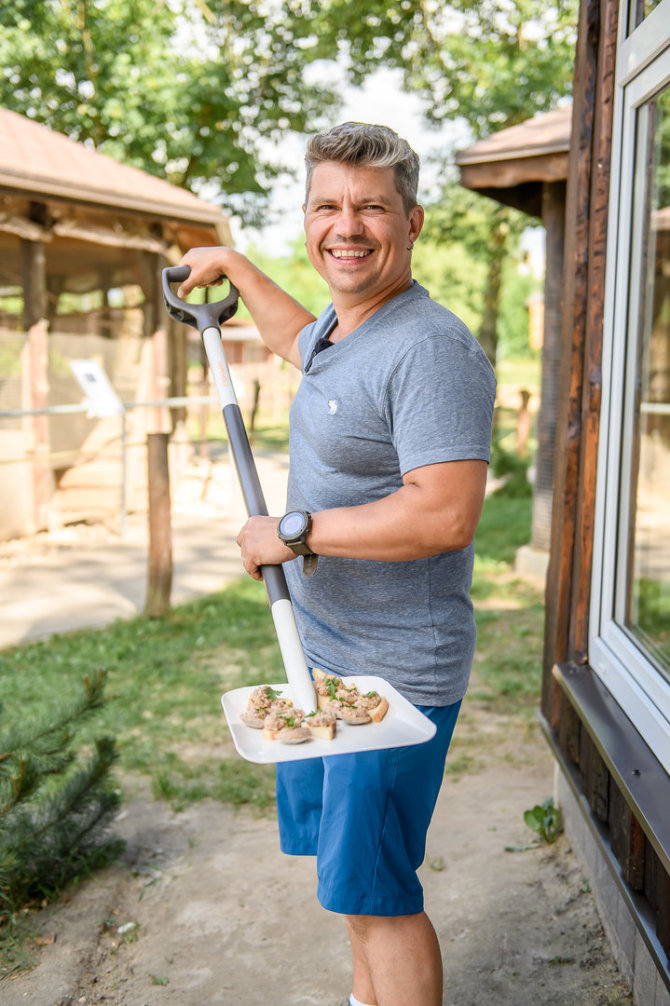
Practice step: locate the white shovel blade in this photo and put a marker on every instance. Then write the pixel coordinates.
(403, 725)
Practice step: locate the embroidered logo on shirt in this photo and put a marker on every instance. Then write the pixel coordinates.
(332, 406)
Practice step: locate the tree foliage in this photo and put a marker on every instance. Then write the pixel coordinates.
(56, 800)
(488, 63)
(201, 91)
(197, 92)
(492, 63)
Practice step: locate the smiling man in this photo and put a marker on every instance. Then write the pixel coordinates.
(389, 444)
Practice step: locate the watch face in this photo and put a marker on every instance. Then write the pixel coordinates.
(292, 524)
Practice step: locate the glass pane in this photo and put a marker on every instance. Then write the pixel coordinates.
(639, 10)
(648, 605)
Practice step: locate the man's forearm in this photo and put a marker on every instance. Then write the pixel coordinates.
(278, 317)
(436, 510)
(391, 530)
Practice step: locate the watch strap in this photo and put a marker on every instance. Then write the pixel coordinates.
(309, 564)
(310, 558)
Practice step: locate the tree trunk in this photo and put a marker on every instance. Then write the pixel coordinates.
(488, 332)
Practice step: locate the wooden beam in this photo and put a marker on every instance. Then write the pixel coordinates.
(177, 337)
(575, 299)
(506, 173)
(33, 271)
(593, 336)
(553, 218)
(159, 578)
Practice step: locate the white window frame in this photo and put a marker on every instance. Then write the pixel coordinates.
(643, 69)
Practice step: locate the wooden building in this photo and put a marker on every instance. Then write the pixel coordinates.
(82, 242)
(606, 677)
(606, 686)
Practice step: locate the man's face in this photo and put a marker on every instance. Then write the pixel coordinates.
(358, 231)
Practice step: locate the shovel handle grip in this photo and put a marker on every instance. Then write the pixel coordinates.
(199, 316)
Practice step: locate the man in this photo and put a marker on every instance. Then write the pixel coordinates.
(389, 443)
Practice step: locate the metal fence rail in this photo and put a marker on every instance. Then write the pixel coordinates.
(30, 454)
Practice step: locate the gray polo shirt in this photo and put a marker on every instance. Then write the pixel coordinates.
(410, 387)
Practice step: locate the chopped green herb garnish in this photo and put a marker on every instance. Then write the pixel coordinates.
(370, 695)
(272, 693)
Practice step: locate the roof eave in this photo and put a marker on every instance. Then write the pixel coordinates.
(465, 159)
(38, 189)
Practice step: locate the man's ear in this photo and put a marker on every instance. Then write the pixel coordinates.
(416, 218)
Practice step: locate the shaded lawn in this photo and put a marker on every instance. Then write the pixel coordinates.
(165, 676)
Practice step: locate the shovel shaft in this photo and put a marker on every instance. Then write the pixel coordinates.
(207, 319)
(252, 492)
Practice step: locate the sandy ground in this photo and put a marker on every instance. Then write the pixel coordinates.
(204, 909)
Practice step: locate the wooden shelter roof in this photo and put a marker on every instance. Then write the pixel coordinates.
(511, 165)
(87, 208)
(37, 161)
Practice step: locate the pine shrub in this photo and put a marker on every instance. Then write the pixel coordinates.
(56, 801)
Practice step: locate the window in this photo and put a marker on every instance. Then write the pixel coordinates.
(639, 10)
(647, 601)
(630, 616)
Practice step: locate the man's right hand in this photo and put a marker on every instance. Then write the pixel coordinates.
(277, 316)
(208, 268)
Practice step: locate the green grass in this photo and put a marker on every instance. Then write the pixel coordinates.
(266, 437)
(504, 527)
(165, 676)
(165, 679)
(509, 611)
(526, 372)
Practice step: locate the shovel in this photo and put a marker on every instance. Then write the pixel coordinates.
(403, 724)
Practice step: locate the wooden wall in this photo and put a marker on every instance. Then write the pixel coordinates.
(569, 574)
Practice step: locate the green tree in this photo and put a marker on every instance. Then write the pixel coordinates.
(489, 63)
(57, 799)
(197, 92)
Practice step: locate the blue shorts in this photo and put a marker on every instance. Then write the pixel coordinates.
(365, 817)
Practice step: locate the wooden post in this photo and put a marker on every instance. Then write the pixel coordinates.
(575, 296)
(177, 336)
(523, 423)
(553, 218)
(568, 577)
(159, 582)
(33, 271)
(593, 333)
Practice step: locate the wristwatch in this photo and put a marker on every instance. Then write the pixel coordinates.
(293, 529)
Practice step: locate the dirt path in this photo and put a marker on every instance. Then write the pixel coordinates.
(204, 910)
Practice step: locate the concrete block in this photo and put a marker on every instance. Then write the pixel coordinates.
(627, 936)
(531, 564)
(644, 975)
(662, 993)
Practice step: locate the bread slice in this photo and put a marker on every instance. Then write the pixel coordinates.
(378, 712)
(278, 721)
(322, 725)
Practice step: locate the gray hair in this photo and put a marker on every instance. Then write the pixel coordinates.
(369, 146)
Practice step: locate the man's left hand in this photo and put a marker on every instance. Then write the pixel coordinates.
(260, 545)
